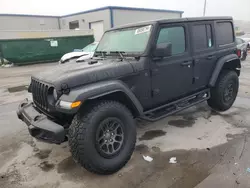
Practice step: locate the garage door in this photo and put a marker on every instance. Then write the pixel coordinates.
(98, 29)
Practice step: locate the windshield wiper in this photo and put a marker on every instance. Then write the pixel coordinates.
(108, 53)
(103, 53)
(121, 53)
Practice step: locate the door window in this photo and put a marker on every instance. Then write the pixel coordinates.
(202, 37)
(225, 33)
(174, 36)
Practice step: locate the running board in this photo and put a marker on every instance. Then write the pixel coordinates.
(176, 106)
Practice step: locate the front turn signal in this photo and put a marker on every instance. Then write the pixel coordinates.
(75, 104)
(69, 105)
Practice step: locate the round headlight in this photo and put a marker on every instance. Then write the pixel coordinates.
(55, 94)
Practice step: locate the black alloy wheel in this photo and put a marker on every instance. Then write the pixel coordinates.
(110, 137)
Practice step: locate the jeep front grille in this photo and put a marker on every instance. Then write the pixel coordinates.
(40, 93)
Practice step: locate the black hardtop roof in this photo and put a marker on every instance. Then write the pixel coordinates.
(161, 21)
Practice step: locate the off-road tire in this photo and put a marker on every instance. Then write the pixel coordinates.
(217, 100)
(82, 134)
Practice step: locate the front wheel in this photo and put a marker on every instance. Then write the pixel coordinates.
(102, 138)
(225, 91)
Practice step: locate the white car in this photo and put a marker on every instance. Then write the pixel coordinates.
(248, 41)
(83, 54)
(243, 46)
(246, 38)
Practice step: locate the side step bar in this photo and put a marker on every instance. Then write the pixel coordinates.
(176, 106)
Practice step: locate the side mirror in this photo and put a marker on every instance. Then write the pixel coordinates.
(163, 50)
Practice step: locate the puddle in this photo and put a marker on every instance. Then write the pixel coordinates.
(46, 166)
(73, 171)
(181, 123)
(43, 154)
(156, 149)
(141, 148)
(17, 88)
(149, 135)
(236, 118)
(67, 164)
(192, 167)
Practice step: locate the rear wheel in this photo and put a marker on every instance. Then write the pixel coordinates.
(102, 138)
(225, 91)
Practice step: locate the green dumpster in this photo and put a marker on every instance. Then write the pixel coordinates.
(27, 51)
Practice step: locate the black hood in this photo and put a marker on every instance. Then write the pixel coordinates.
(77, 74)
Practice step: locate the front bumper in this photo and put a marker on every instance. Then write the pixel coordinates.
(39, 125)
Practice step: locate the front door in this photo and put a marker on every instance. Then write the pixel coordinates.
(172, 76)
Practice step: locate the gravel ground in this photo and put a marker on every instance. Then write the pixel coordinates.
(212, 149)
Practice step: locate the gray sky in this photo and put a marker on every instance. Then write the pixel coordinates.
(239, 9)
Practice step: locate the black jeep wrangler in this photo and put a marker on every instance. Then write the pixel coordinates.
(149, 71)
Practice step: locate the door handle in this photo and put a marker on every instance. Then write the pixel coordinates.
(187, 63)
(211, 57)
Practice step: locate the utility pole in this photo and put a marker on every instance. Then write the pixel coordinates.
(205, 7)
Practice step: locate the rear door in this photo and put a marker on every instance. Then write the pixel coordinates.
(204, 52)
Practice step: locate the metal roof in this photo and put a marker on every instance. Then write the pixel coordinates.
(30, 15)
(97, 9)
(123, 8)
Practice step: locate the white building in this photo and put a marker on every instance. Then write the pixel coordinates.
(17, 22)
(99, 19)
(105, 18)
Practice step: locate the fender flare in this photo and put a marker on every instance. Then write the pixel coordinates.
(219, 65)
(100, 89)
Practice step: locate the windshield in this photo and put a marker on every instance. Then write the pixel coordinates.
(90, 47)
(128, 40)
(239, 41)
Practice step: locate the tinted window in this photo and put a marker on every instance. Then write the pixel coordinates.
(225, 33)
(174, 36)
(209, 36)
(202, 36)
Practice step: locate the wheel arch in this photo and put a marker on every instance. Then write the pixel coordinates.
(107, 90)
(119, 96)
(229, 62)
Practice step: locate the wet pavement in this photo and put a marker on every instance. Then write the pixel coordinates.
(212, 149)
